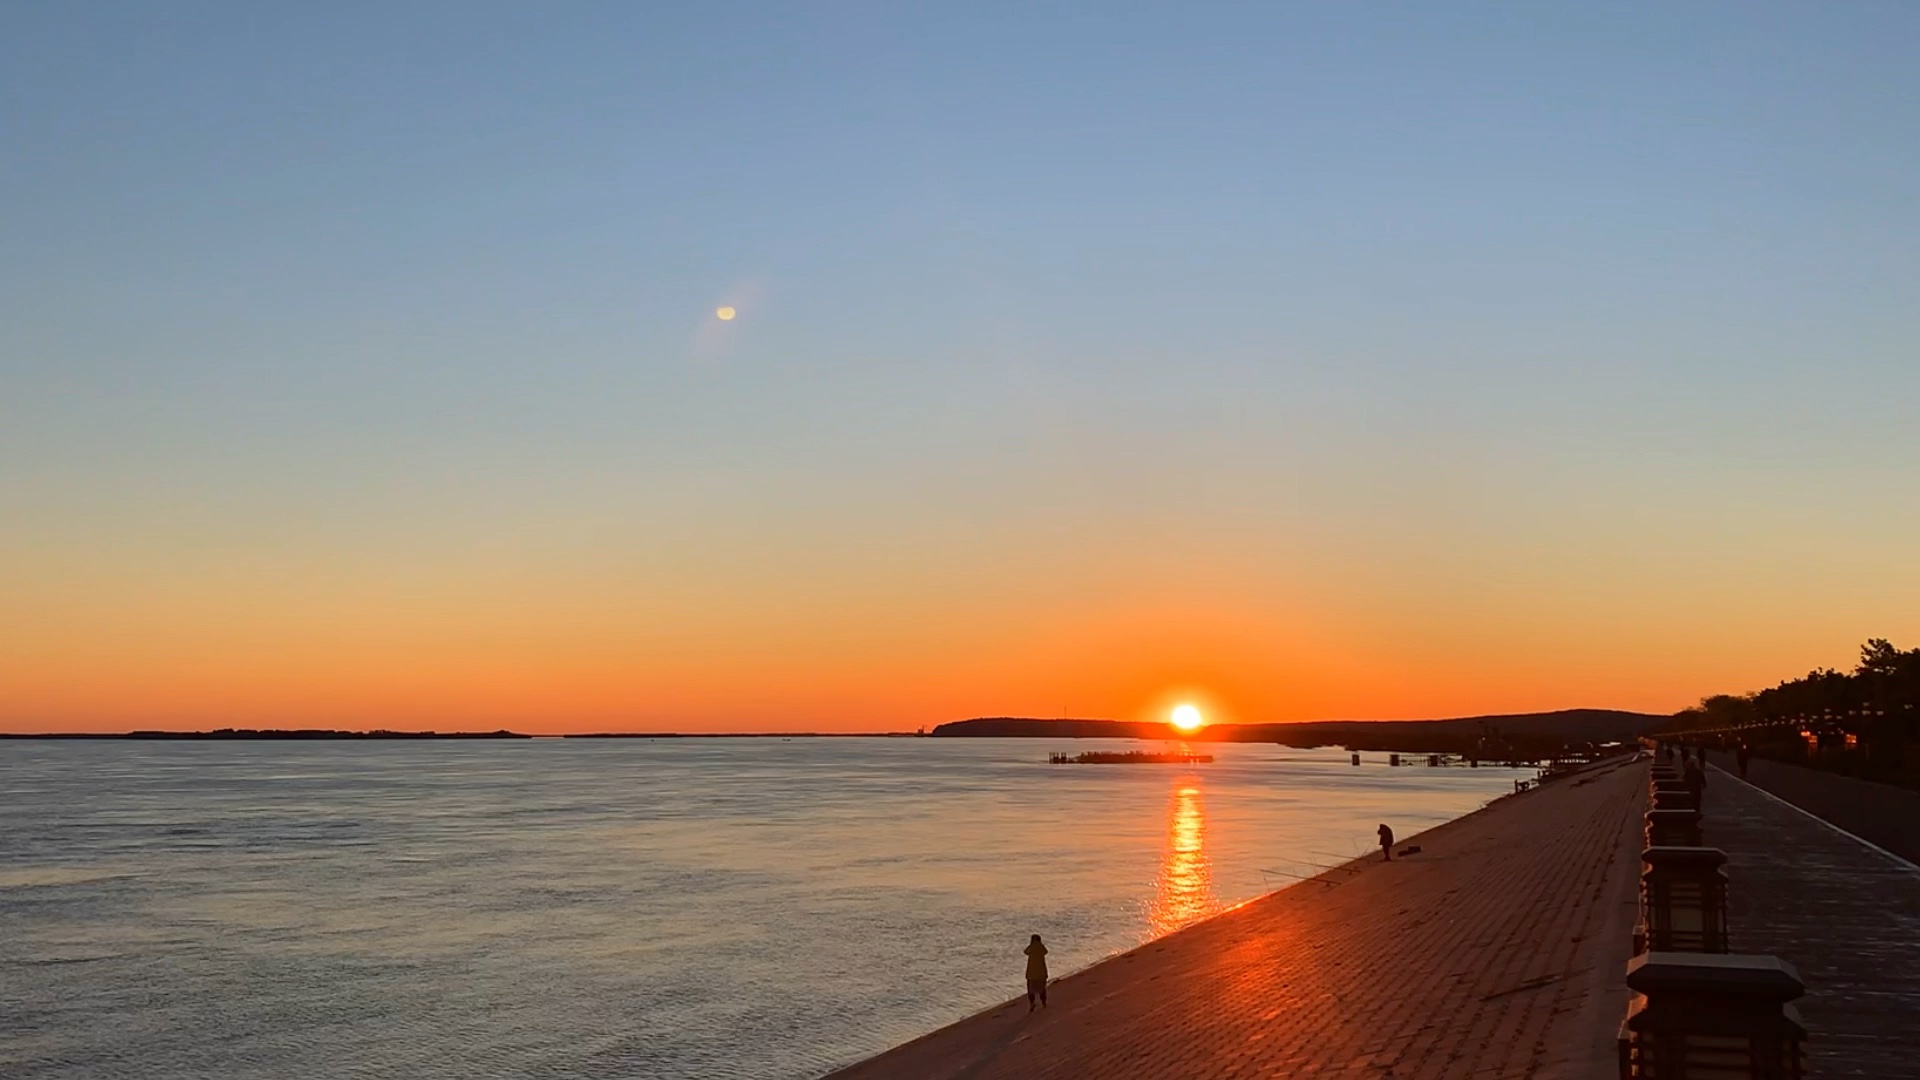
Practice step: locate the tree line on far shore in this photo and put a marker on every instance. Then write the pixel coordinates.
(1865, 722)
(1885, 685)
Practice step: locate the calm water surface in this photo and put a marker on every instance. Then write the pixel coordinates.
(642, 908)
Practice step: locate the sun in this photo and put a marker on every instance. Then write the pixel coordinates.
(724, 314)
(1188, 718)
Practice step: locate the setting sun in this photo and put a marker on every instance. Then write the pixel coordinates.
(1187, 718)
(725, 314)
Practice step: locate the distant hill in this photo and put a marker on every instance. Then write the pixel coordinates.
(1525, 732)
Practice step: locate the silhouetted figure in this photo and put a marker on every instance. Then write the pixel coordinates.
(1696, 778)
(1036, 972)
(1386, 843)
(1742, 755)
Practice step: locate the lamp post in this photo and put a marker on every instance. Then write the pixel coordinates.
(1701, 1016)
(1683, 893)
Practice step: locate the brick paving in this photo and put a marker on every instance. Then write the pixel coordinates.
(1497, 951)
(1846, 915)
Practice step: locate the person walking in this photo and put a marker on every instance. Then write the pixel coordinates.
(1386, 843)
(1742, 754)
(1696, 780)
(1036, 972)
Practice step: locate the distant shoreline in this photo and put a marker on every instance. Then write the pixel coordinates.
(1536, 734)
(1506, 736)
(328, 734)
(266, 734)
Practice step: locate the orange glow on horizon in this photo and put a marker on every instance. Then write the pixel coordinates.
(477, 640)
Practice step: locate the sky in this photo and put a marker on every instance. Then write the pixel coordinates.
(359, 363)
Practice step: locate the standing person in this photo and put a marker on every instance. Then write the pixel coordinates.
(1696, 778)
(1036, 972)
(1386, 843)
(1742, 754)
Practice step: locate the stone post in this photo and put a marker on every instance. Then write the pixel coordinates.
(1673, 828)
(1707, 1016)
(1683, 893)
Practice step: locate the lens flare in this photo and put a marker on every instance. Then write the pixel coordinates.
(724, 314)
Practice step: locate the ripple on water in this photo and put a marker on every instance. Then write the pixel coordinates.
(671, 909)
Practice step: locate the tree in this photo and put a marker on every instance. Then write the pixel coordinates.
(1879, 657)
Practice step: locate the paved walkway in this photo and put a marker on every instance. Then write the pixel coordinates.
(1497, 951)
(1846, 915)
(1882, 813)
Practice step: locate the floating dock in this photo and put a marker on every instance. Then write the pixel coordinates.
(1128, 757)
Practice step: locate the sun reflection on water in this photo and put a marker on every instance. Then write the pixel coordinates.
(1183, 893)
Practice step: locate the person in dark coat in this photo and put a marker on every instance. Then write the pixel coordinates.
(1036, 972)
(1696, 779)
(1386, 843)
(1742, 755)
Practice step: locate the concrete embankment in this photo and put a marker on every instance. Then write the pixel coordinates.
(1498, 950)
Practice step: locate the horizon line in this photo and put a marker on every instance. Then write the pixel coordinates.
(294, 733)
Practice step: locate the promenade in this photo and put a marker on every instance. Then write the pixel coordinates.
(1499, 950)
(1845, 915)
(1881, 814)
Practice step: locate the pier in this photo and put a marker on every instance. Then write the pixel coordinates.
(1500, 950)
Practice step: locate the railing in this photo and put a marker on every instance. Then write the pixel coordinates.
(1698, 1012)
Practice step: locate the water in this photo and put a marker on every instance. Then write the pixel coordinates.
(644, 908)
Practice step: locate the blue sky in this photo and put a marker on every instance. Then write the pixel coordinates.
(1598, 317)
